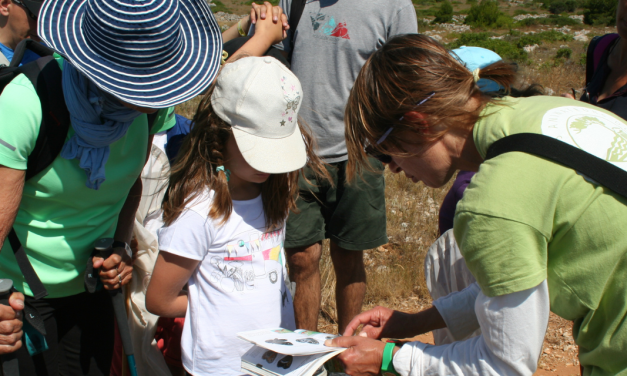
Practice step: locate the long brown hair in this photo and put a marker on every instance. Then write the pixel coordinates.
(406, 70)
(203, 151)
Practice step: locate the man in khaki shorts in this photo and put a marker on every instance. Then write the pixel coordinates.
(329, 46)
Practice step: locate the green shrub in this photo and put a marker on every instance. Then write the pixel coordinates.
(553, 20)
(599, 12)
(519, 11)
(563, 53)
(561, 6)
(220, 7)
(487, 14)
(431, 12)
(444, 14)
(504, 48)
(249, 2)
(528, 40)
(554, 36)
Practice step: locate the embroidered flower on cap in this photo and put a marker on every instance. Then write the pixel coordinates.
(292, 96)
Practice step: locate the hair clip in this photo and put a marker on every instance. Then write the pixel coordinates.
(226, 171)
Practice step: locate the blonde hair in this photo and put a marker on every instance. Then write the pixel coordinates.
(406, 70)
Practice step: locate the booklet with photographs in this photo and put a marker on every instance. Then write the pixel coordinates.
(282, 352)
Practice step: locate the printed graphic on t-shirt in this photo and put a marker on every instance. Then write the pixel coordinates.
(589, 129)
(326, 27)
(251, 260)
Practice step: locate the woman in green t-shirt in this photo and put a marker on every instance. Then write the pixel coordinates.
(536, 235)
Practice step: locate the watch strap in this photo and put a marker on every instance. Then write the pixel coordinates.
(387, 365)
(121, 244)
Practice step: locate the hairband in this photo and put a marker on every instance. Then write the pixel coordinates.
(226, 171)
(475, 74)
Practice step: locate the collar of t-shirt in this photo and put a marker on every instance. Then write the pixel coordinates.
(28, 54)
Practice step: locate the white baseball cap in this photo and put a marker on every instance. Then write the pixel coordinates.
(260, 98)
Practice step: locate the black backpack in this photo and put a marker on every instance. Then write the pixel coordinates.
(45, 75)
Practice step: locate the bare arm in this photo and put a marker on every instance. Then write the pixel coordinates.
(268, 31)
(233, 31)
(165, 296)
(119, 266)
(10, 197)
(381, 322)
(10, 316)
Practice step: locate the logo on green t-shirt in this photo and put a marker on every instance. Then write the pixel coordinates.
(596, 132)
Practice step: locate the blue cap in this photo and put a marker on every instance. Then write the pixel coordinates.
(478, 57)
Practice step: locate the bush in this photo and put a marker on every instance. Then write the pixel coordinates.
(431, 12)
(599, 12)
(563, 53)
(444, 14)
(551, 20)
(220, 7)
(554, 36)
(504, 48)
(519, 11)
(560, 6)
(487, 14)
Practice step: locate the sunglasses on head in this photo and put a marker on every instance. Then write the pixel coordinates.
(28, 11)
(382, 157)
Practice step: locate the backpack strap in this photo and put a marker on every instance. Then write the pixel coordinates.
(296, 11)
(591, 166)
(4, 62)
(45, 75)
(36, 287)
(595, 52)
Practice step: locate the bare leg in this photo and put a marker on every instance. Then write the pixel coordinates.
(350, 287)
(304, 266)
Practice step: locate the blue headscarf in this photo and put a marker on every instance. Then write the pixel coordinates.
(98, 119)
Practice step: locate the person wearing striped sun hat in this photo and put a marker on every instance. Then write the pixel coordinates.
(123, 62)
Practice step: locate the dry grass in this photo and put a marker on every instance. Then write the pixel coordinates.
(395, 271)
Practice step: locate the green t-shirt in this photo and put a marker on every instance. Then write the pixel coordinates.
(524, 219)
(59, 218)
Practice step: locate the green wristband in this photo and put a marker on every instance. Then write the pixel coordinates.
(387, 365)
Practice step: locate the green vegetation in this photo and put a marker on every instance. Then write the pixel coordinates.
(552, 20)
(250, 2)
(599, 12)
(511, 46)
(561, 6)
(505, 49)
(220, 7)
(564, 53)
(518, 12)
(444, 14)
(487, 14)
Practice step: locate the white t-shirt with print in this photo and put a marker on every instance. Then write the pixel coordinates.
(239, 284)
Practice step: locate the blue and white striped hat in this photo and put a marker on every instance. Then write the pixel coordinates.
(150, 53)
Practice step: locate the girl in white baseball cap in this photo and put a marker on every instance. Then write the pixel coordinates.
(231, 189)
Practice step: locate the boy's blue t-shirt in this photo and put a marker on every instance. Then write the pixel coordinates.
(28, 54)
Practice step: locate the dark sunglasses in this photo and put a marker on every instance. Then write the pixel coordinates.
(382, 157)
(28, 11)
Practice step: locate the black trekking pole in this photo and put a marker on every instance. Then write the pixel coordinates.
(104, 248)
(10, 365)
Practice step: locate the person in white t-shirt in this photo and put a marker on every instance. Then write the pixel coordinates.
(231, 189)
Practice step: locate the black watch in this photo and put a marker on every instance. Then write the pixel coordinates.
(127, 248)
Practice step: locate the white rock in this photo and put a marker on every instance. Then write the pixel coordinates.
(530, 48)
